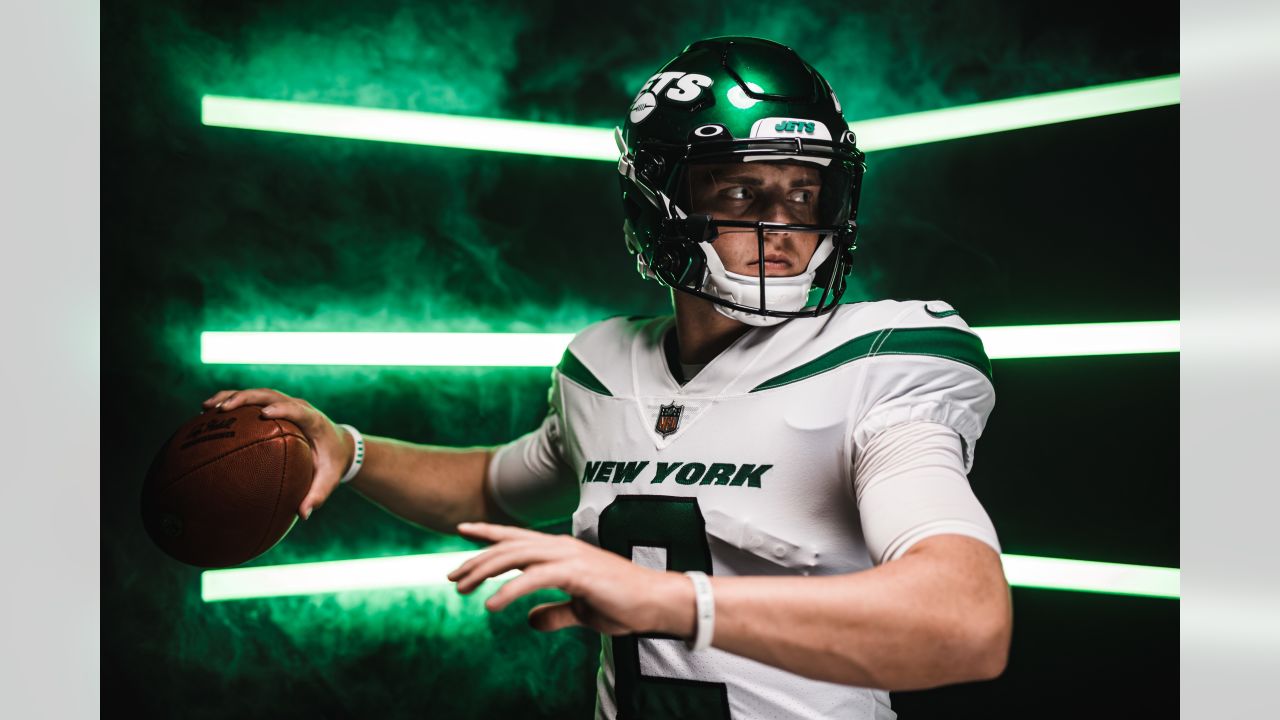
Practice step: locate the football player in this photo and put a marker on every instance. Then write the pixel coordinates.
(771, 515)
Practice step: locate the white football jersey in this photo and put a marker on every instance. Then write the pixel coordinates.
(746, 469)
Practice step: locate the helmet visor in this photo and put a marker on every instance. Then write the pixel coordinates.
(772, 190)
(792, 203)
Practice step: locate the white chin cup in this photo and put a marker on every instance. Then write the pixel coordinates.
(786, 294)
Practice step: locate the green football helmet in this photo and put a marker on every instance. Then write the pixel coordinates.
(734, 100)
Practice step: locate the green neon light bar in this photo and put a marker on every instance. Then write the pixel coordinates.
(545, 349)
(432, 569)
(1087, 576)
(384, 348)
(335, 576)
(589, 143)
(403, 126)
(1018, 113)
(1078, 339)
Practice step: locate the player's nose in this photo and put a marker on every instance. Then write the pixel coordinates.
(778, 212)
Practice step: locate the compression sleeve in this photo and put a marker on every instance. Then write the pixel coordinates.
(529, 480)
(910, 484)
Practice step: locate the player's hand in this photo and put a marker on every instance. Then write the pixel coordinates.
(610, 594)
(332, 448)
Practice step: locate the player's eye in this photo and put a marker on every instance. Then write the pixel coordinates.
(801, 196)
(738, 192)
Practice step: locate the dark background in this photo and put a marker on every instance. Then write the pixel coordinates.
(220, 229)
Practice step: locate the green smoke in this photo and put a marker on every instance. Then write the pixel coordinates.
(216, 229)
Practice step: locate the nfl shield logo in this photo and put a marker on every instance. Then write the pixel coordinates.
(668, 419)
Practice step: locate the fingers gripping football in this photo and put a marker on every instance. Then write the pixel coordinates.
(331, 446)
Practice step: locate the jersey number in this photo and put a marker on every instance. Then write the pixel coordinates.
(674, 523)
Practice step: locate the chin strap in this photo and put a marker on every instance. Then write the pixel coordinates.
(786, 294)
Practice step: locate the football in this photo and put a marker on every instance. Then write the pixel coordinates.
(226, 486)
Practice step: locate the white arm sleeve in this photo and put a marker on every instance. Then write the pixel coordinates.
(529, 480)
(910, 483)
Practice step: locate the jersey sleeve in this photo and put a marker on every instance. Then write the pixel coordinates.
(928, 366)
(529, 479)
(910, 484)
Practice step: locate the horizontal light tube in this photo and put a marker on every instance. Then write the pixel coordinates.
(404, 126)
(420, 570)
(385, 573)
(1077, 339)
(384, 348)
(590, 143)
(1017, 113)
(1088, 576)
(545, 349)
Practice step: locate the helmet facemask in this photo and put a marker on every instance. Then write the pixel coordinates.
(694, 226)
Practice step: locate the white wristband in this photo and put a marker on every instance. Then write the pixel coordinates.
(356, 460)
(705, 611)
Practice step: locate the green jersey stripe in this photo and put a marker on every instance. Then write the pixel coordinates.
(948, 343)
(571, 367)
